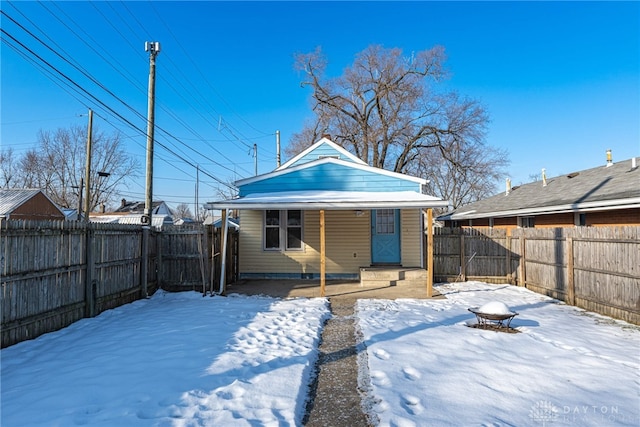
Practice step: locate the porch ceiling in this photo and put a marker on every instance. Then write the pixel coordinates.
(332, 200)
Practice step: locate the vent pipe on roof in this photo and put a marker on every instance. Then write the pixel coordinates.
(544, 177)
(508, 187)
(609, 161)
(633, 163)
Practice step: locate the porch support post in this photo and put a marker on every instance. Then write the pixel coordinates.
(429, 253)
(223, 260)
(323, 263)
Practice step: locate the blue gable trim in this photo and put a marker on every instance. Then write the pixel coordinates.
(330, 175)
(321, 149)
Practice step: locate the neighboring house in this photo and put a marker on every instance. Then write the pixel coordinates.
(603, 196)
(232, 223)
(132, 212)
(31, 204)
(364, 215)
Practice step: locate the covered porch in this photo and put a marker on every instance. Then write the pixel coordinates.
(329, 201)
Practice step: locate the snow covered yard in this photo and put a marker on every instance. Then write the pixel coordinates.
(184, 360)
(565, 367)
(172, 360)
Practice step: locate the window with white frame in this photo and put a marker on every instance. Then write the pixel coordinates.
(283, 230)
(385, 221)
(526, 221)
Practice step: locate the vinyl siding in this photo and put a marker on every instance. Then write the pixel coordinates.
(324, 150)
(410, 238)
(347, 245)
(329, 177)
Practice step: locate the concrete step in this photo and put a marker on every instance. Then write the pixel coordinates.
(391, 276)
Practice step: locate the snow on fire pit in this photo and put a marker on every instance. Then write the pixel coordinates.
(494, 315)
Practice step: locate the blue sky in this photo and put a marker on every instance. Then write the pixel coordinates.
(560, 80)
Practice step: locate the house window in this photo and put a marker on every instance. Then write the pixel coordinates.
(526, 221)
(294, 229)
(283, 230)
(385, 221)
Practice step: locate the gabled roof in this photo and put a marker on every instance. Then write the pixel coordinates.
(329, 160)
(138, 207)
(326, 176)
(323, 148)
(12, 198)
(601, 188)
(130, 218)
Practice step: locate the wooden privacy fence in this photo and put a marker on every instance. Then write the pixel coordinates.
(595, 268)
(55, 273)
(191, 258)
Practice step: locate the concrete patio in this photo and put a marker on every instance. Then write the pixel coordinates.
(334, 289)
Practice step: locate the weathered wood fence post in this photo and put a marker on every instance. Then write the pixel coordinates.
(521, 267)
(508, 257)
(89, 294)
(571, 288)
(144, 268)
(463, 267)
(159, 272)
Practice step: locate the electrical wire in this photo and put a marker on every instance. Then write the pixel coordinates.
(67, 83)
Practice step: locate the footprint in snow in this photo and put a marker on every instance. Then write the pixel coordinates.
(379, 378)
(411, 373)
(381, 354)
(412, 404)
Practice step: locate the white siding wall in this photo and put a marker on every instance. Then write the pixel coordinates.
(411, 233)
(347, 244)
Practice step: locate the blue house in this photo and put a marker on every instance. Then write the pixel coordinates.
(326, 214)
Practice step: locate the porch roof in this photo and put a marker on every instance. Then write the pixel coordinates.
(331, 200)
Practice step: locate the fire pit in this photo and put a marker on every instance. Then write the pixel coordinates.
(493, 314)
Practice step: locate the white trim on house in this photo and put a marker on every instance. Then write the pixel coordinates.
(315, 200)
(546, 210)
(327, 141)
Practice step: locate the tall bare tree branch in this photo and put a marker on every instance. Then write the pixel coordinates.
(390, 111)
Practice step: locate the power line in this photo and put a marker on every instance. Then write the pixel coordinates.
(67, 83)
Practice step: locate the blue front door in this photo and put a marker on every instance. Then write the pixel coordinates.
(385, 236)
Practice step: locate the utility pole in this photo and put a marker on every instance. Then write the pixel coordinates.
(255, 159)
(197, 212)
(278, 148)
(87, 170)
(153, 48)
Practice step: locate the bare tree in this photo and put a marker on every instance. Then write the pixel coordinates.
(182, 211)
(471, 176)
(386, 109)
(8, 169)
(58, 164)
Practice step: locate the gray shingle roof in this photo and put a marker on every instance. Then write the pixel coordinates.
(10, 199)
(601, 187)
